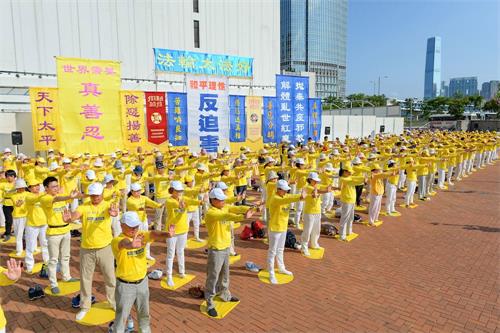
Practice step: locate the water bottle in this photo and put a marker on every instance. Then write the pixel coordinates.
(130, 324)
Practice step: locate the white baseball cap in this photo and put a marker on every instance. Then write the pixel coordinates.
(372, 156)
(179, 161)
(201, 166)
(7, 150)
(226, 149)
(53, 166)
(328, 167)
(322, 156)
(314, 176)
(20, 183)
(98, 162)
(283, 185)
(217, 193)
(90, 174)
(221, 185)
(300, 161)
(66, 161)
(131, 219)
(95, 189)
(356, 160)
(136, 187)
(177, 185)
(335, 152)
(272, 175)
(243, 157)
(108, 178)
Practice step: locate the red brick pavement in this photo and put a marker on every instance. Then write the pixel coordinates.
(435, 269)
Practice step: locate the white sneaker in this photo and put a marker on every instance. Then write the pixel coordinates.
(305, 251)
(170, 281)
(80, 315)
(272, 279)
(182, 275)
(150, 258)
(285, 271)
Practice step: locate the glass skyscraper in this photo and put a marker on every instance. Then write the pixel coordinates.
(463, 86)
(432, 85)
(313, 39)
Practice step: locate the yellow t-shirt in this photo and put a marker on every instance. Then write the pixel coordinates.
(312, 205)
(178, 216)
(7, 190)
(218, 223)
(279, 210)
(96, 225)
(161, 186)
(131, 264)
(53, 211)
(377, 183)
(36, 216)
(348, 189)
(19, 211)
(139, 205)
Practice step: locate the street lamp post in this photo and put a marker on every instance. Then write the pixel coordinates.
(384, 77)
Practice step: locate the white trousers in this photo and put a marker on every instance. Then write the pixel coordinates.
(311, 231)
(422, 186)
(2, 217)
(145, 227)
(195, 218)
(116, 226)
(402, 179)
(410, 191)
(450, 173)
(346, 219)
(374, 208)
(326, 202)
(19, 224)
(31, 235)
(460, 169)
(441, 177)
(299, 208)
(176, 245)
(430, 182)
(293, 191)
(276, 249)
(390, 200)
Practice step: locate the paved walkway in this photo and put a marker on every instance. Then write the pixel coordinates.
(435, 269)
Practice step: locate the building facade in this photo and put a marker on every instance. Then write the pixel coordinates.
(489, 89)
(444, 89)
(463, 86)
(314, 39)
(432, 82)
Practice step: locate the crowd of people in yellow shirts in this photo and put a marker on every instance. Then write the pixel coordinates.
(109, 196)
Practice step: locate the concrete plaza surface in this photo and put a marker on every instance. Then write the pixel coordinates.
(434, 269)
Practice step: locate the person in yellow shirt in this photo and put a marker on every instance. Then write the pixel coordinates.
(376, 191)
(9, 277)
(193, 211)
(160, 181)
(176, 206)
(279, 210)
(58, 232)
(301, 180)
(19, 213)
(391, 189)
(272, 179)
(132, 285)
(348, 185)
(312, 212)
(112, 194)
(95, 246)
(138, 203)
(327, 199)
(36, 225)
(218, 220)
(411, 180)
(7, 189)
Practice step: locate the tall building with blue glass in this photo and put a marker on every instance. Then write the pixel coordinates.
(313, 39)
(432, 84)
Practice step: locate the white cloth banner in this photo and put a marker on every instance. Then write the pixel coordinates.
(208, 112)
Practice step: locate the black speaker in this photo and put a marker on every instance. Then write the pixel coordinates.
(382, 128)
(17, 138)
(327, 130)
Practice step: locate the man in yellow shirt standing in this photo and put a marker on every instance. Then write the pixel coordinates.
(19, 213)
(348, 185)
(376, 191)
(218, 222)
(95, 245)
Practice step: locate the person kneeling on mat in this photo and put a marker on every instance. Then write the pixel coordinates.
(218, 222)
(131, 271)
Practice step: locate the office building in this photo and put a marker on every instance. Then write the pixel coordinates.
(463, 86)
(489, 89)
(432, 68)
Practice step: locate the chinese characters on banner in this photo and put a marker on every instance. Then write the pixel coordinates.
(89, 104)
(269, 119)
(237, 119)
(315, 110)
(45, 118)
(208, 108)
(133, 127)
(156, 117)
(177, 118)
(292, 93)
(254, 117)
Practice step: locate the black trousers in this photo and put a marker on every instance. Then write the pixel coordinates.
(359, 190)
(7, 212)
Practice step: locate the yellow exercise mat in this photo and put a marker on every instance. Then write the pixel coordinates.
(65, 288)
(4, 281)
(12, 240)
(433, 193)
(315, 253)
(13, 254)
(222, 308)
(377, 223)
(404, 189)
(2, 230)
(348, 238)
(281, 278)
(360, 208)
(37, 267)
(178, 281)
(265, 240)
(193, 244)
(234, 259)
(395, 214)
(236, 225)
(75, 226)
(100, 313)
(411, 206)
(252, 197)
(150, 262)
(330, 215)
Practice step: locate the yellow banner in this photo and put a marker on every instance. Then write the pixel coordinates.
(45, 118)
(133, 125)
(89, 105)
(254, 118)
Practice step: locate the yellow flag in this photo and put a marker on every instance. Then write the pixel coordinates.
(89, 105)
(45, 118)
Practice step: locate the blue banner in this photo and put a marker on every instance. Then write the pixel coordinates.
(269, 119)
(315, 111)
(292, 93)
(202, 63)
(237, 119)
(177, 119)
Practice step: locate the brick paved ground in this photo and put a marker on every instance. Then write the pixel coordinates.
(435, 269)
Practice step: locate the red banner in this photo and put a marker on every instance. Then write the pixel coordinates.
(156, 117)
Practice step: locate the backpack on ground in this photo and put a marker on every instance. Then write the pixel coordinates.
(258, 229)
(246, 233)
(328, 229)
(291, 240)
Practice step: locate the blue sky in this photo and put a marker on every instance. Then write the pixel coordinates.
(388, 38)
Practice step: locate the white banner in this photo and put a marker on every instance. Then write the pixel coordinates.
(208, 112)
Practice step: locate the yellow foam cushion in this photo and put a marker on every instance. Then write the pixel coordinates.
(100, 313)
(265, 240)
(411, 206)
(151, 262)
(12, 240)
(13, 254)
(349, 238)
(432, 193)
(178, 281)
(65, 288)
(193, 244)
(282, 278)
(222, 308)
(37, 267)
(360, 208)
(396, 214)
(315, 253)
(377, 223)
(234, 259)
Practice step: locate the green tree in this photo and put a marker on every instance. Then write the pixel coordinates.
(493, 105)
(456, 106)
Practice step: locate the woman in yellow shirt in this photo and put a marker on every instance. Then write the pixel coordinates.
(348, 185)
(376, 191)
(411, 180)
(6, 191)
(19, 213)
(391, 189)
